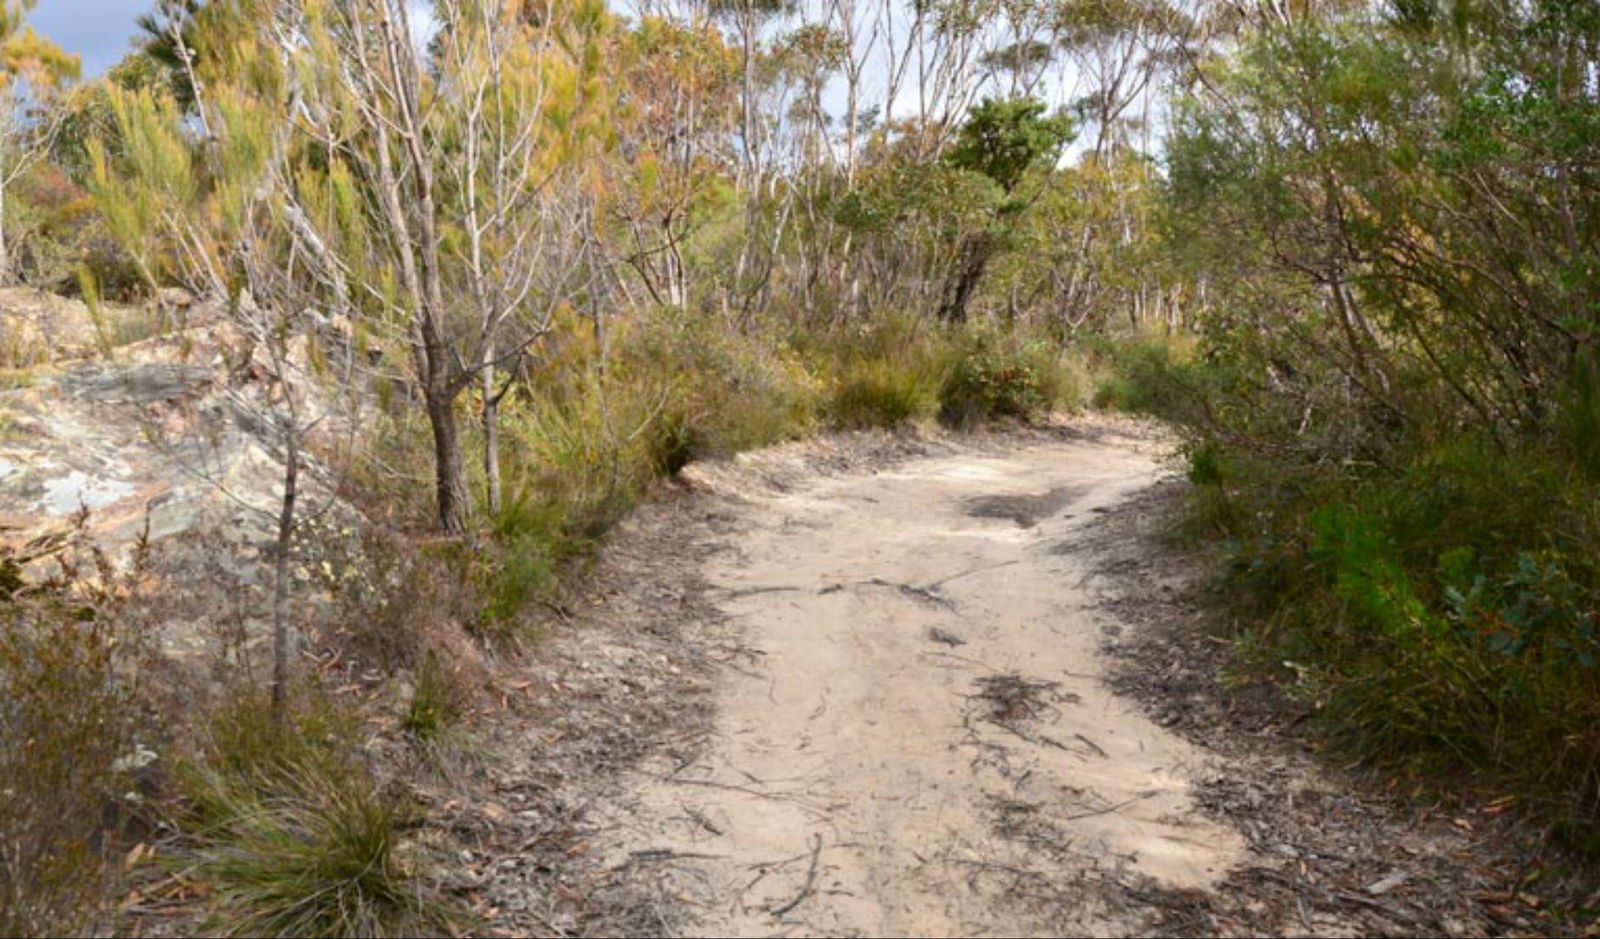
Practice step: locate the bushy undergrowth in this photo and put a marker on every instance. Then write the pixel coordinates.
(66, 718)
(1436, 598)
(1005, 376)
(876, 393)
(282, 828)
(670, 390)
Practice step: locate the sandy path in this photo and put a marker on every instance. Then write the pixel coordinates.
(922, 742)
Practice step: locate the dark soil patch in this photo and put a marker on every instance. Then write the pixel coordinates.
(1024, 510)
(1011, 698)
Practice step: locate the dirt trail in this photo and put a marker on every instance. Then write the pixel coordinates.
(922, 733)
(879, 685)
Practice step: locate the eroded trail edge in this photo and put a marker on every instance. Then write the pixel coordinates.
(917, 737)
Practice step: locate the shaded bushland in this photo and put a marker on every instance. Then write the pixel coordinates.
(1389, 411)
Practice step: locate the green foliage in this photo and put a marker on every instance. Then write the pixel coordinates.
(300, 853)
(727, 393)
(239, 739)
(436, 701)
(171, 39)
(64, 721)
(1578, 422)
(875, 393)
(881, 374)
(1004, 138)
(578, 456)
(85, 115)
(1443, 616)
(1147, 375)
(1086, 247)
(1002, 376)
(574, 465)
(1391, 426)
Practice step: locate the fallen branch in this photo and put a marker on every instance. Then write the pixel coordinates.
(757, 591)
(731, 787)
(667, 854)
(968, 573)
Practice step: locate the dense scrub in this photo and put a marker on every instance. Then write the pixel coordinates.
(1391, 409)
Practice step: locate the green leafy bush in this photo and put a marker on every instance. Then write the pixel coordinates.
(1001, 377)
(1443, 614)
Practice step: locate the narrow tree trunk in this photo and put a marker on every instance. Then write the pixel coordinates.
(421, 273)
(963, 281)
(449, 477)
(281, 575)
(491, 437)
(5, 248)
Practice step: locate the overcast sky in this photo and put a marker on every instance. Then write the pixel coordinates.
(96, 30)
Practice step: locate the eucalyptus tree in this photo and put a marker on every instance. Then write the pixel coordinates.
(408, 187)
(1003, 141)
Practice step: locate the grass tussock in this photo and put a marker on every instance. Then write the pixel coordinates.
(436, 704)
(874, 393)
(294, 835)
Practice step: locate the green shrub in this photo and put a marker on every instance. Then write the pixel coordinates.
(393, 594)
(1213, 509)
(573, 465)
(436, 702)
(1001, 377)
(1578, 421)
(1148, 375)
(725, 392)
(60, 734)
(517, 572)
(1441, 612)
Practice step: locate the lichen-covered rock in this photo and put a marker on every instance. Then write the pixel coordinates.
(172, 440)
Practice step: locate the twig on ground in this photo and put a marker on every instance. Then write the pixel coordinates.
(1091, 745)
(700, 818)
(1112, 808)
(811, 879)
